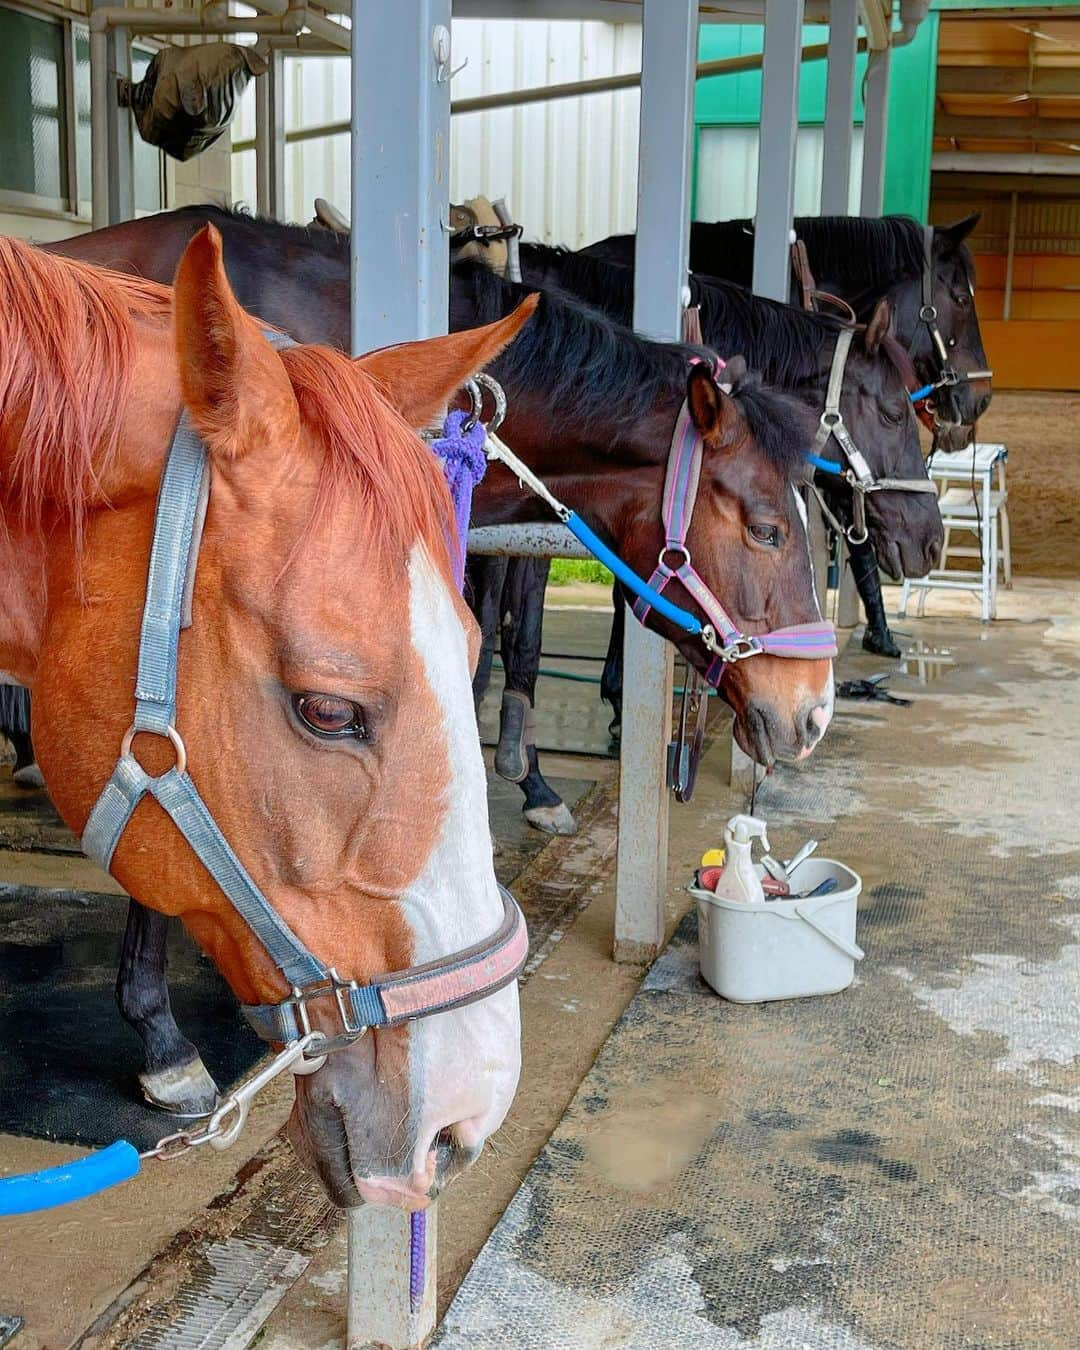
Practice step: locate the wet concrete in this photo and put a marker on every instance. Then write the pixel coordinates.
(895, 1166)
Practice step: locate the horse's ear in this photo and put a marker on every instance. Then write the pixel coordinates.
(952, 236)
(232, 380)
(712, 411)
(878, 327)
(419, 378)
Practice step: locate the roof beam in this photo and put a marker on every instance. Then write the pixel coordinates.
(1039, 83)
(1007, 128)
(959, 161)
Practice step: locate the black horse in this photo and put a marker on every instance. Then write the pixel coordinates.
(793, 349)
(862, 259)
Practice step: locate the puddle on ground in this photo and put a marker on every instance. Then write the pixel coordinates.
(926, 663)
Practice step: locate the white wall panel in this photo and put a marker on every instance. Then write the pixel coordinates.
(568, 168)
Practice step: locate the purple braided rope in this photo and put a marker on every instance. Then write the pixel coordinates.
(464, 462)
(417, 1258)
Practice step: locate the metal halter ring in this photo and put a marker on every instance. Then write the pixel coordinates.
(740, 649)
(476, 402)
(831, 419)
(498, 396)
(174, 737)
(928, 313)
(673, 548)
(854, 538)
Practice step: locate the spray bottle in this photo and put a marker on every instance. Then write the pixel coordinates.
(739, 880)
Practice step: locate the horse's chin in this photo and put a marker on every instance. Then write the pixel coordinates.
(953, 436)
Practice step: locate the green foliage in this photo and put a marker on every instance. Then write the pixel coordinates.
(570, 571)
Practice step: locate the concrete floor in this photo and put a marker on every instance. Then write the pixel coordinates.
(981, 764)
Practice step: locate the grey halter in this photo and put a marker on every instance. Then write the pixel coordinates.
(450, 982)
(858, 474)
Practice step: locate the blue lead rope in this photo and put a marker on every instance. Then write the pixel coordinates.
(69, 1181)
(924, 392)
(826, 465)
(681, 618)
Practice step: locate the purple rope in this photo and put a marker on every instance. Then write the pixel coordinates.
(417, 1258)
(464, 462)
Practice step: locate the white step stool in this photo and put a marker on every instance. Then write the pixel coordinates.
(973, 500)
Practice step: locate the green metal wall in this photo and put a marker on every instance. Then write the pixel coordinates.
(735, 100)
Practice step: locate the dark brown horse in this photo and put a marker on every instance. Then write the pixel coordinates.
(592, 410)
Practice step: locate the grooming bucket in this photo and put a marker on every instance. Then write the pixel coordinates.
(752, 953)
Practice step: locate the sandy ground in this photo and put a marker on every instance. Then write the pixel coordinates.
(1042, 432)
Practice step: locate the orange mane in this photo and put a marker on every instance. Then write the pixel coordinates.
(67, 351)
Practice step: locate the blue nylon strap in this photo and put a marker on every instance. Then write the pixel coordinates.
(280, 1022)
(170, 558)
(33, 1191)
(924, 392)
(680, 617)
(825, 465)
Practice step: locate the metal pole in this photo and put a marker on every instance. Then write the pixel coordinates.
(99, 128)
(122, 169)
(270, 138)
(668, 60)
(875, 132)
(400, 195)
(777, 137)
(839, 108)
(400, 171)
(1010, 256)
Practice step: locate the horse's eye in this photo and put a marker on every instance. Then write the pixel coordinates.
(329, 716)
(891, 418)
(766, 534)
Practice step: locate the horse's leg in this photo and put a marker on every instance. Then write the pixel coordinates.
(174, 1076)
(15, 725)
(612, 676)
(485, 579)
(877, 638)
(522, 632)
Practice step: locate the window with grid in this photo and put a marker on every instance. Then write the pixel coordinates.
(44, 140)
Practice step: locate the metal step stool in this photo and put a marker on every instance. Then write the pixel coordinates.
(974, 501)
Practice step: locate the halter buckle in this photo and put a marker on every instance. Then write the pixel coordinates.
(333, 985)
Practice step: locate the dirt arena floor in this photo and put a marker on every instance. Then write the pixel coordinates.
(1042, 431)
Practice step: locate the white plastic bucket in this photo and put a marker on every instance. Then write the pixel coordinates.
(753, 953)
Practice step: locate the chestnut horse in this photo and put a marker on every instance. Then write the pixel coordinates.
(324, 683)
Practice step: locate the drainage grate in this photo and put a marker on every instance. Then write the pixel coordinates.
(227, 1300)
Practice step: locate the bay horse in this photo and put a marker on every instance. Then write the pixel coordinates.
(861, 259)
(321, 691)
(795, 349)
(592, 407)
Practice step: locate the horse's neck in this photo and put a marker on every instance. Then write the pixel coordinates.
(602, 469)
(22, 603)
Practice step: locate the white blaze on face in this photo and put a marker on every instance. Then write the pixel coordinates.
(464, 1065)
(830, 693)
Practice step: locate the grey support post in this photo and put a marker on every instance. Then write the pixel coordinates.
(270, 137)
(668, 69)
(777, 138)
(875, 132)
(839, 108)
(400, 171)
(400, 291)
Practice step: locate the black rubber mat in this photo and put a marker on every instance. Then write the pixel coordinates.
(68, 1062)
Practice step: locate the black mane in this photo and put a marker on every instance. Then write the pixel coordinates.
(602, 371)
(856, 252)
(586, 362)
(326, 242)
(788, 346)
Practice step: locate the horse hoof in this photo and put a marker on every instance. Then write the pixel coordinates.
(880, 644)
(182, 1089)
(29, 776)
(551, 819)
